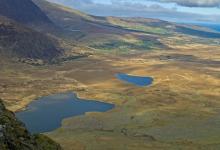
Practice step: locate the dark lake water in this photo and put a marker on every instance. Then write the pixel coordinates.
(47, 113)
(136, 80)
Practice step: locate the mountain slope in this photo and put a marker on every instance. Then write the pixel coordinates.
(97, 33)
(14, 136)
(75, 21)
(118, 35)
(19, 41)
(78, 21)
(23, 11)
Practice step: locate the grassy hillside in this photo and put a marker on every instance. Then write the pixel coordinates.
(117, 35)
(97, 32)
(23, 11)
(19, 41)
(162, 28)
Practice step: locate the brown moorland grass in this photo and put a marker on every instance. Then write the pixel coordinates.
(180, 109)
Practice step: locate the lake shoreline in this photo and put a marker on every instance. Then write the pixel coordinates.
(56, 108)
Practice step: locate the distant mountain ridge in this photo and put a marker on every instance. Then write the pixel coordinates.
(86, 25)
(56, 24)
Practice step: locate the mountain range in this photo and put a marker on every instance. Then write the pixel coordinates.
(25, 33)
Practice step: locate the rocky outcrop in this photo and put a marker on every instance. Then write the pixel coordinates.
(14, 135)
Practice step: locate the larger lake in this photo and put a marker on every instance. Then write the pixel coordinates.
(47, 113)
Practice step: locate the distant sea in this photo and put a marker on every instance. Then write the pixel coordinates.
(211, 26)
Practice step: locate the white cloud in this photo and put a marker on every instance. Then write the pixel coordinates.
(193, 3)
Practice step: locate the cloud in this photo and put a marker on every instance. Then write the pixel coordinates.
(193, 3)
(73, 2)
(186, 3)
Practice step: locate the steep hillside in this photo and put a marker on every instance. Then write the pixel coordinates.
(118, 35)
(22, 42)
(76, 21)
(66, 17)
(23, 11)
(14, 136)
(97, 33)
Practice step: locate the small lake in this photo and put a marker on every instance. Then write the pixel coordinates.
(47, 113)
(136, 80)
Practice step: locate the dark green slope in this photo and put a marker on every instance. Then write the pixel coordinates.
(19, 41)
(23, 11)
(14, 136)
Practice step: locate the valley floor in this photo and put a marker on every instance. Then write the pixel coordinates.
(179, 111)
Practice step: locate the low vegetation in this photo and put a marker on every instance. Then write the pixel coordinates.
(180, 110)
(138, 26)
(126, 47)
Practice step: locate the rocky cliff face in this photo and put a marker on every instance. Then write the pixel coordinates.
(14, 136)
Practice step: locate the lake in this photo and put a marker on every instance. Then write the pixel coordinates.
(47, 113)
(135, 80)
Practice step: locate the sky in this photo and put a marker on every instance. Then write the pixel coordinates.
(172, 10)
